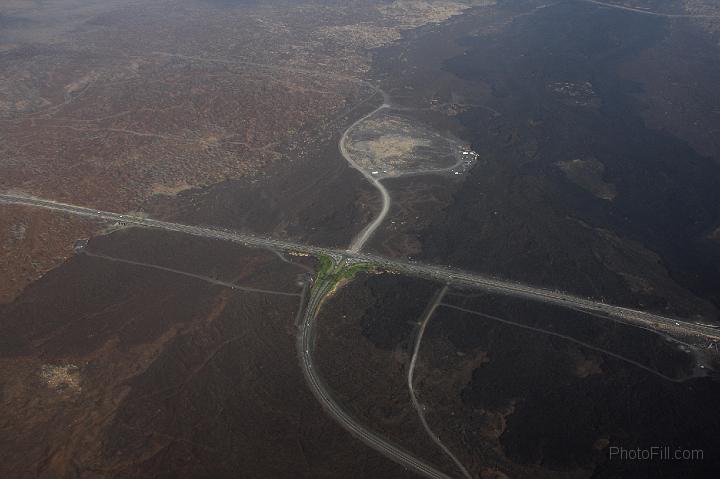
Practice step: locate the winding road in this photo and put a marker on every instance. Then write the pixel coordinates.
(367, 232)
(305, 347)
(306, 336)
(307, 315)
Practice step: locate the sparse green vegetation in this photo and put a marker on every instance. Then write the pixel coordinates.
(330, 273)
(326, 264)
(352, 270)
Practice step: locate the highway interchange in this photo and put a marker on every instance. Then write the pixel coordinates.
(345, 258)
(323, 288)
(305, 345)
(443, 274)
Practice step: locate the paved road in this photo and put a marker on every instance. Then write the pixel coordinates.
(442, 274)
(568, 338)
(419, 408)
(305, 345)
(367, 232)
(200, 277)
(305, 341)
(364, 236)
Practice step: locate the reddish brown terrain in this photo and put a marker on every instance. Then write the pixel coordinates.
(111, 369)
(34, 242)
(130, 352)
(114, 104)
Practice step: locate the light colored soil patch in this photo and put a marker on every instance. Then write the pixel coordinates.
(707, 8)
(361, 35)
(415, 13)
(715, 235)
(390, 145)
(393, 19)
(171, 190)
(32, 242)
(585, 367)
(63, 378)
(588, 175)
(577, 94)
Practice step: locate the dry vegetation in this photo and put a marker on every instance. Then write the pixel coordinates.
(388, 144)
(33, 242)
(109, 103)
(708, 9)
(415, 13)
(113, 370)
(170, 122)
(61, 377)
(396, 17)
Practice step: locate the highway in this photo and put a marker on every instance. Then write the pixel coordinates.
(305, 346)
(305, 341)
(443, 274)
(324, 287)
(307, 313)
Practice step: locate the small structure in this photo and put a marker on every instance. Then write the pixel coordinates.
(80, 245)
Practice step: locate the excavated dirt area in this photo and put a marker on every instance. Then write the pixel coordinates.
(389, 145)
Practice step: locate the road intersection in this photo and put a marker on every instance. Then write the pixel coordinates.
(323, 287)
(453, 276)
